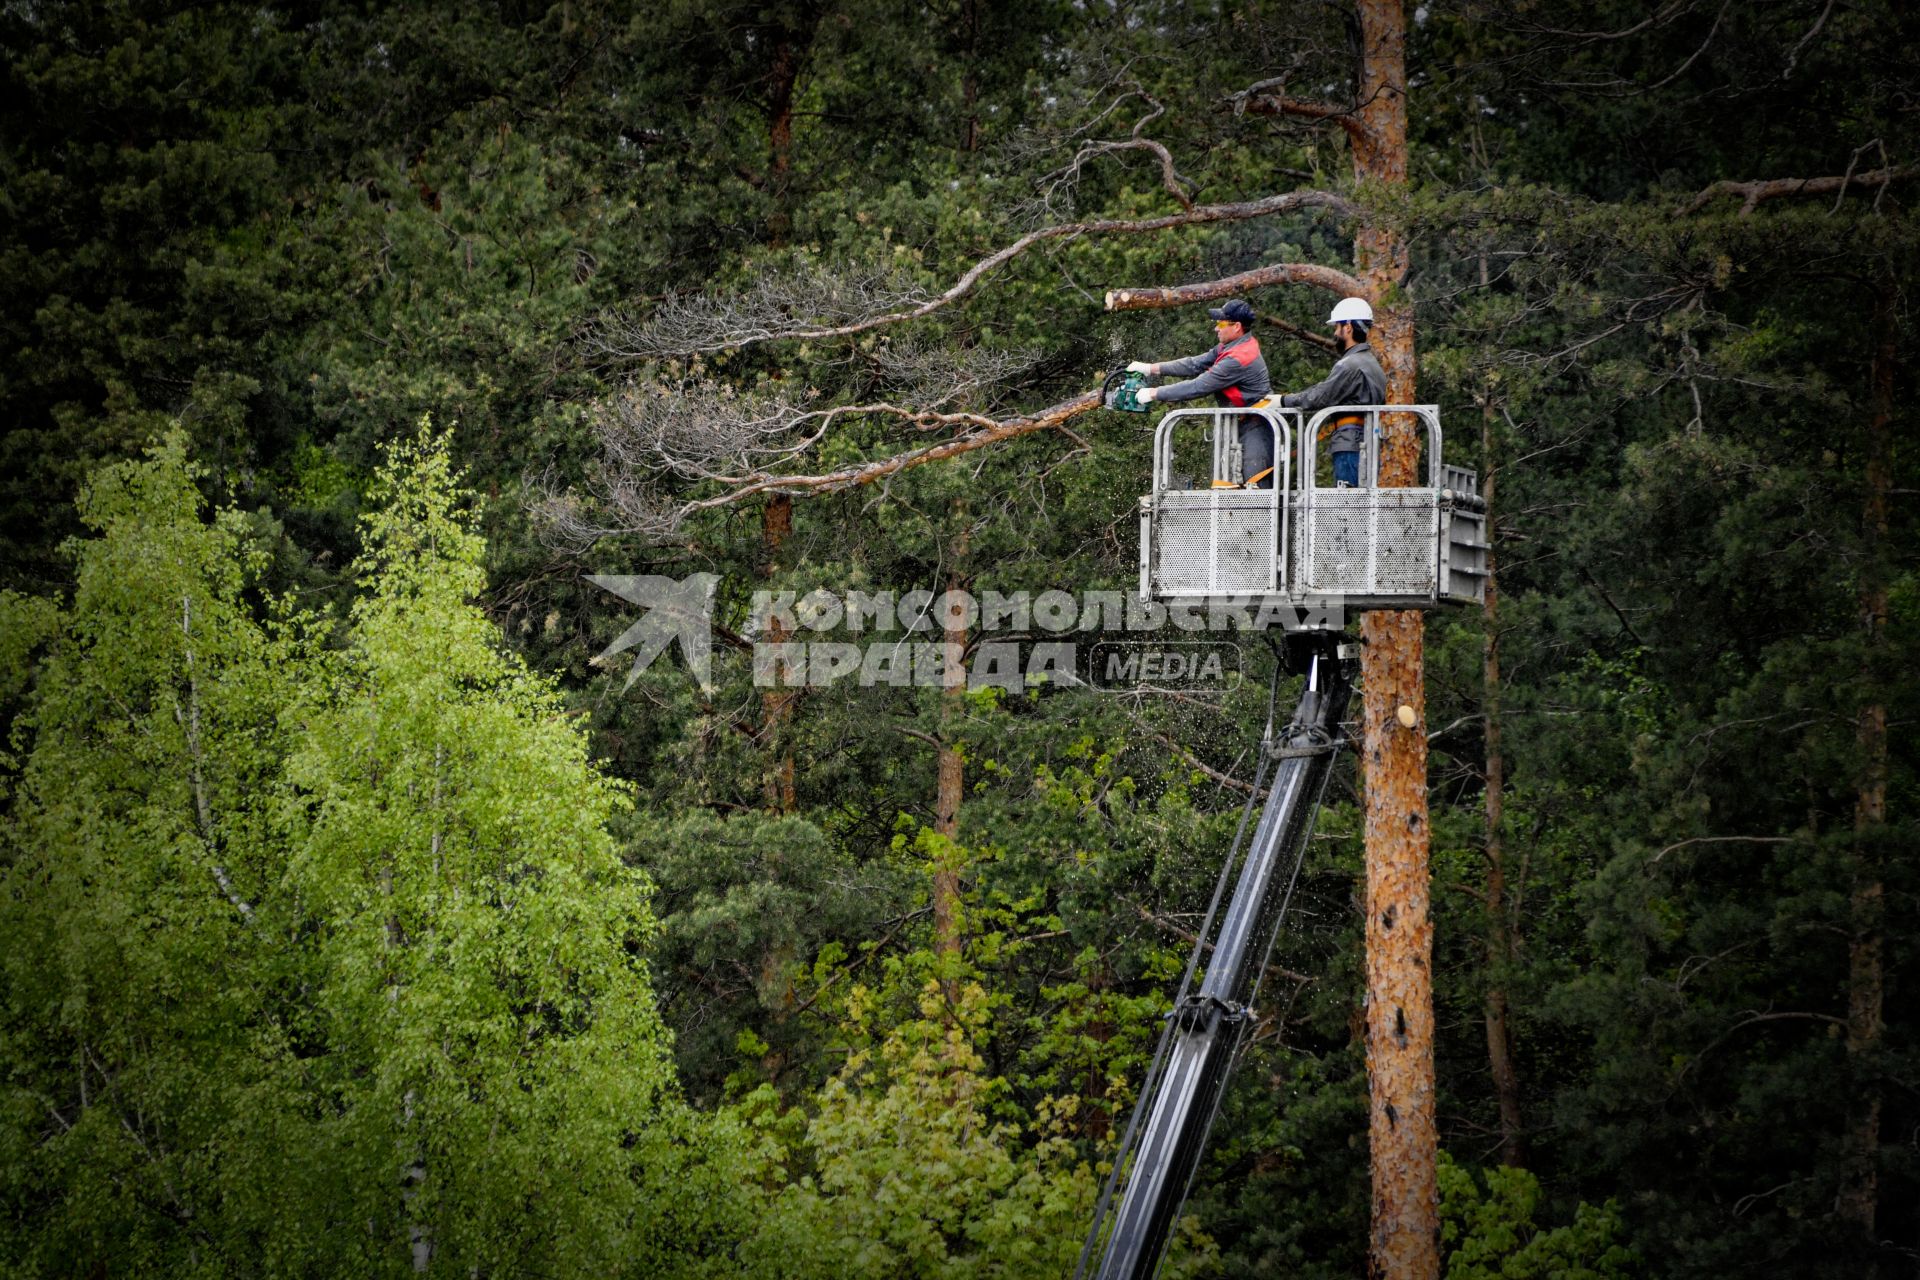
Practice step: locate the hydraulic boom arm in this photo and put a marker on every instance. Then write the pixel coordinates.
(1168, 1131)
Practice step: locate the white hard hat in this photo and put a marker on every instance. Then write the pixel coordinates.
(1351, 309)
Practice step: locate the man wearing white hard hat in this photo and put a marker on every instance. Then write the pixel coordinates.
(1356, 380)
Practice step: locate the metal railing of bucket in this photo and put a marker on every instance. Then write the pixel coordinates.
(1370, 448)
(1369, 542)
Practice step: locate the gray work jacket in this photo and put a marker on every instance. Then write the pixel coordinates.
(1231, 365)
(1356, 379)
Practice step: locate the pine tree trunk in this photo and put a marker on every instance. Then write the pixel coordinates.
(1506, 1082)
(1403, 1138)
(1866, 979)
(946, 821)
(951, 782)
(783, 78)
(776, 705)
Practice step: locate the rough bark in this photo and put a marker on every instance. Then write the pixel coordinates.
(1506, 1080)
(1859, 1195)
(1399, 938)
(1403, 1138)
(946, 876)
(780, 141)
(783, 78)
(1232, 286)
(776, 723)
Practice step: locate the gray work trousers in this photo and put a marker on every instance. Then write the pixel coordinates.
(1256, 451)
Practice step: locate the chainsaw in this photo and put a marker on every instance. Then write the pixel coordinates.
(1121, 391)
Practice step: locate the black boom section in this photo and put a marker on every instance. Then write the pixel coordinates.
(1168, 1131)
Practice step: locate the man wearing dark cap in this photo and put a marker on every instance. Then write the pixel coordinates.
(1235, 371)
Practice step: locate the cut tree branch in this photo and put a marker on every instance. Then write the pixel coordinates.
(715, 324)
(1754, 192)
(1330, 278)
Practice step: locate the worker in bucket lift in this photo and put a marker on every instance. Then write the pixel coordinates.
(1235, 371)
(1356, 380)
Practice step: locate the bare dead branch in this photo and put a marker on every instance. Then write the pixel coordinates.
(1655, 859)
(1132, 90)
(710, 431)
(1329, 278)
(1270, 98)
(1222, 779)
(1755, 192)
(938, 374)
(1176, 186)
(763, 310)
(1752, 1018)
(1681, 70)
(1299, 334)
(1623, 88)
(1062, 181)
(1793, 58)
(654, 437)
(632, 500)
(867, 473)
(784, 309)
(1658, 18)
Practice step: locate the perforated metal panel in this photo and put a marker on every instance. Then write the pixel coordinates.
(1214, 541)
(1371, 542)
(1334, 548)
(1183, 536)
(1244, 544)
(1405, 525)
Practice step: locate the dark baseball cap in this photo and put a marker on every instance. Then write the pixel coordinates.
(1235, 310)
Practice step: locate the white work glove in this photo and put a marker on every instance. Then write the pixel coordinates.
(1139, 366)
(1145, 394)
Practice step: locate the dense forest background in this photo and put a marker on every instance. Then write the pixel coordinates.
(357, 921)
